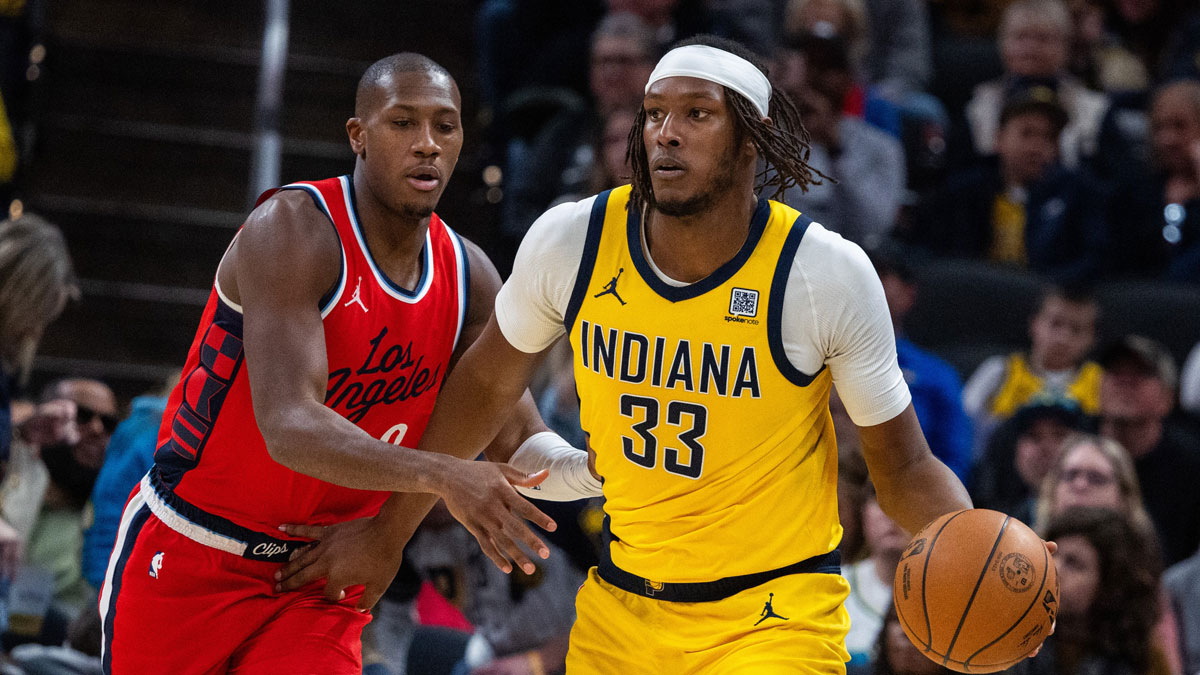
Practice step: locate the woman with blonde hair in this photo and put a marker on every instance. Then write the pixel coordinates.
(36, 280)
(1094, 471)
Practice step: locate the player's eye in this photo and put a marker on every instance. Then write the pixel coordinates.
(654, 114)
(699, 113)
(402, 123)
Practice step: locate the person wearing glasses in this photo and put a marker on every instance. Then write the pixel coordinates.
(49, 484)
(1137, 395)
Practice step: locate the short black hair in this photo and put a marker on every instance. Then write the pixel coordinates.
(403, 62)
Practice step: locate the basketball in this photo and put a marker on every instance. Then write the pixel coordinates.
(976, 591)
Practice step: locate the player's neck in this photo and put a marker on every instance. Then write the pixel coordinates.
(394, 239)
(690, 248)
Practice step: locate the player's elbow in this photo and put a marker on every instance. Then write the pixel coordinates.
(283, 436)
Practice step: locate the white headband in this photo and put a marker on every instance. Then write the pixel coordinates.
(716, 65)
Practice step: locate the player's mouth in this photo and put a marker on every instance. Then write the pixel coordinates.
(666, 167)
(424, 178)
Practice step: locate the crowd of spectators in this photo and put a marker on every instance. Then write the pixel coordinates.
(1060, 139)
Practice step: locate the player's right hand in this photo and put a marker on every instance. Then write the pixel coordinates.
(480, 495)
(343, 555)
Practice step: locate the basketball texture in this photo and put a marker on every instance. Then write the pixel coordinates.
(976, 591)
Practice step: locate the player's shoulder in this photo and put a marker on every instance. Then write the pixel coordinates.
(565, 216)
(826, 256)
(560, 231)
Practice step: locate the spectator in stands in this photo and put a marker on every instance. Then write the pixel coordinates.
(1109, 601)
(867, 164)
(821, 58)
(750, 22)
(1182, 581)
(898, 58)
(895, 654)
(553, 130)
(520, 620)
(1155, 33)
(1097, 57)
(871, 578)
(1092, 471)
(936, 388)
(1137, 393)
(129, 456)
(36, 280)
(1021, 208)
(45, 495)
(1189, 384)
(1096, 472)
(1035, 40)
(1156, 220)
(1061, 332)
(1021, 453)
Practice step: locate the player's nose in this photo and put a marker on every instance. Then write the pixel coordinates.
(425, 143)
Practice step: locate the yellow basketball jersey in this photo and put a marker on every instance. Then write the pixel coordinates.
(1021, 385)
(718, 456)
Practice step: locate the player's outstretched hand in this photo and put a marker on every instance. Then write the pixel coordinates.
(480, 495)
(344, 555)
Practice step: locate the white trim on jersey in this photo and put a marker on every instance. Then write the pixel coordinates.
(337, 295)
(171, 518)
(316, 194)
(464, 281)
(427, 272)
(136, 502)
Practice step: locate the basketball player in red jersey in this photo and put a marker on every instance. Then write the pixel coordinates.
(320, 351)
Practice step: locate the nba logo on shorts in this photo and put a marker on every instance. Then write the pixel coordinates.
(743, 302)
(156, 564)
(653, 587)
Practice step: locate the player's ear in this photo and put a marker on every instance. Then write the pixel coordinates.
(357, 134)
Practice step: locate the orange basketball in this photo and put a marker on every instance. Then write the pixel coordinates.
(976, 591)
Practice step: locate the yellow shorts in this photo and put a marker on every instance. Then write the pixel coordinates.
(792, 624)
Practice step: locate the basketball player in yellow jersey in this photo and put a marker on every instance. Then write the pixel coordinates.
(708, 325)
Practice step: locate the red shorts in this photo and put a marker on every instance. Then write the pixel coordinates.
(172, 605)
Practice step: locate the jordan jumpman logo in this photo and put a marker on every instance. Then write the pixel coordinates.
(357, 297)
(768, 612)
(611, 287)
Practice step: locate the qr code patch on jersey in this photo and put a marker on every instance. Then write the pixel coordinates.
(743, 302)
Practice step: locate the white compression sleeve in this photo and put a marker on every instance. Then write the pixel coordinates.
(569, 477)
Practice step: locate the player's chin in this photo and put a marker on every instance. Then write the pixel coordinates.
(419, 208)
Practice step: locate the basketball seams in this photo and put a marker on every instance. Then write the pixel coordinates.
(1036, 597)
(978, 582)
(924, 572)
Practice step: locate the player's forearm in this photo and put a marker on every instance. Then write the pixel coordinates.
(476, 402)
(316, 441)
(919, 492)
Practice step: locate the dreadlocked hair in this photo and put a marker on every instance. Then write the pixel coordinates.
(783, 146)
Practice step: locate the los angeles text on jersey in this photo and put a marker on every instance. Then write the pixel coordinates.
(670, 363)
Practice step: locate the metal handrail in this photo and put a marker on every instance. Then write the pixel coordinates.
(268, 145)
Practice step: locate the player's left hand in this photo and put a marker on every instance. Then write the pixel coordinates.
(343, 555)
(1052, 548)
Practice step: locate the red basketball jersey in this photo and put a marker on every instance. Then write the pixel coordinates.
(388, 350)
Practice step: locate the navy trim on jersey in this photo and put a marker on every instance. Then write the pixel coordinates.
(758, 223)
(703, 591)
(426, 252)
(131, 535)
(783, 270)
(318, 200)
(591, 249)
